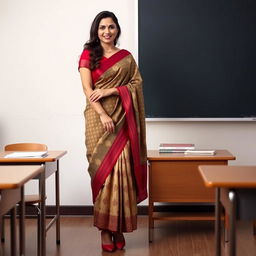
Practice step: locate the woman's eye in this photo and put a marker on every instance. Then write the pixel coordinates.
(112, 27)
(102, 27)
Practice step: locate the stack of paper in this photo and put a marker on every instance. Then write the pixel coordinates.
(175, 147)
(27, 154)
(200, 152)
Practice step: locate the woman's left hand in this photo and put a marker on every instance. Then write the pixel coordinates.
(99, 93)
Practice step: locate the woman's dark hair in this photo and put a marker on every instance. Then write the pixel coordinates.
(93, 45)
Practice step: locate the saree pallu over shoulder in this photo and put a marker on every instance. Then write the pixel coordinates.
(106, 63)
(127, 112)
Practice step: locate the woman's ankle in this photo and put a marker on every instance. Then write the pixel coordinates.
(119, 241)
(118, 236)
(106, 237)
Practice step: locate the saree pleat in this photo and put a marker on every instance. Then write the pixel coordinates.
(115, 208)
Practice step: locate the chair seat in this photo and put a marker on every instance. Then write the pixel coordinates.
(32, 199)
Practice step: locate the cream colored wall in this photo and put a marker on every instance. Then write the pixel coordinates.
(41, 99)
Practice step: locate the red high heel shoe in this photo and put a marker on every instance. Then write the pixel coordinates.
(119, 244)
(107, 247)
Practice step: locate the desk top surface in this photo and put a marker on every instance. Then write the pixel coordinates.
(14, 176)
(228, 176)
(51, 157)
(154, 155)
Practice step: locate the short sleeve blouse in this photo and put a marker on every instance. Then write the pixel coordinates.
(84, 61)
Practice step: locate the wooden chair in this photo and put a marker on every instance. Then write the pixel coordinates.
(30, 200)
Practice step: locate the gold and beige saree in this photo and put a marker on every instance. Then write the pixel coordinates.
(117, 161)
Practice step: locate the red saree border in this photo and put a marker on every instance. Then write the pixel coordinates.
(109, 161)
(139, 169)
(105, 221)
(108, 63)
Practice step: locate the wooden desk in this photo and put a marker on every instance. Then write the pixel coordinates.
(51, 165)
(12, 179)
(231, 183)
(174, 177)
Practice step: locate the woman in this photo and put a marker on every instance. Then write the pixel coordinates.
(115, 131)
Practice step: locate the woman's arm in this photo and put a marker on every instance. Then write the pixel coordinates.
(86, 79)
(100, 93)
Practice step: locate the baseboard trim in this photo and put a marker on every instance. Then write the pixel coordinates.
(81, 210)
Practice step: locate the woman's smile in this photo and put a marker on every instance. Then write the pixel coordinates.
(107, 36)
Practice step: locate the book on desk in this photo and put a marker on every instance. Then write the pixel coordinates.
(27, 154)
(175, 147)
(188, 149)
(198, 152)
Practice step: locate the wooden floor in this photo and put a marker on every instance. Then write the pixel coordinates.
(184, 238)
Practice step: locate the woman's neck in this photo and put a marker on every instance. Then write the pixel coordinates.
(108, 48)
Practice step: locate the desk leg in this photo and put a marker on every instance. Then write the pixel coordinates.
(217, 222)
(226, 227)
(232, 247)
(150, 221)
(42, 215)
(57, 190)
(150, 207)
(2, 229)
(254, 227)
(1, 223)
(22, 222)
(13, 232)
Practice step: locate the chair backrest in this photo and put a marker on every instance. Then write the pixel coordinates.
(25, 147)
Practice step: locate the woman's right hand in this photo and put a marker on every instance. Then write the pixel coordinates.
(107, 122)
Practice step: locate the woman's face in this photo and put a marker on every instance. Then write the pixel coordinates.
(107, 31)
